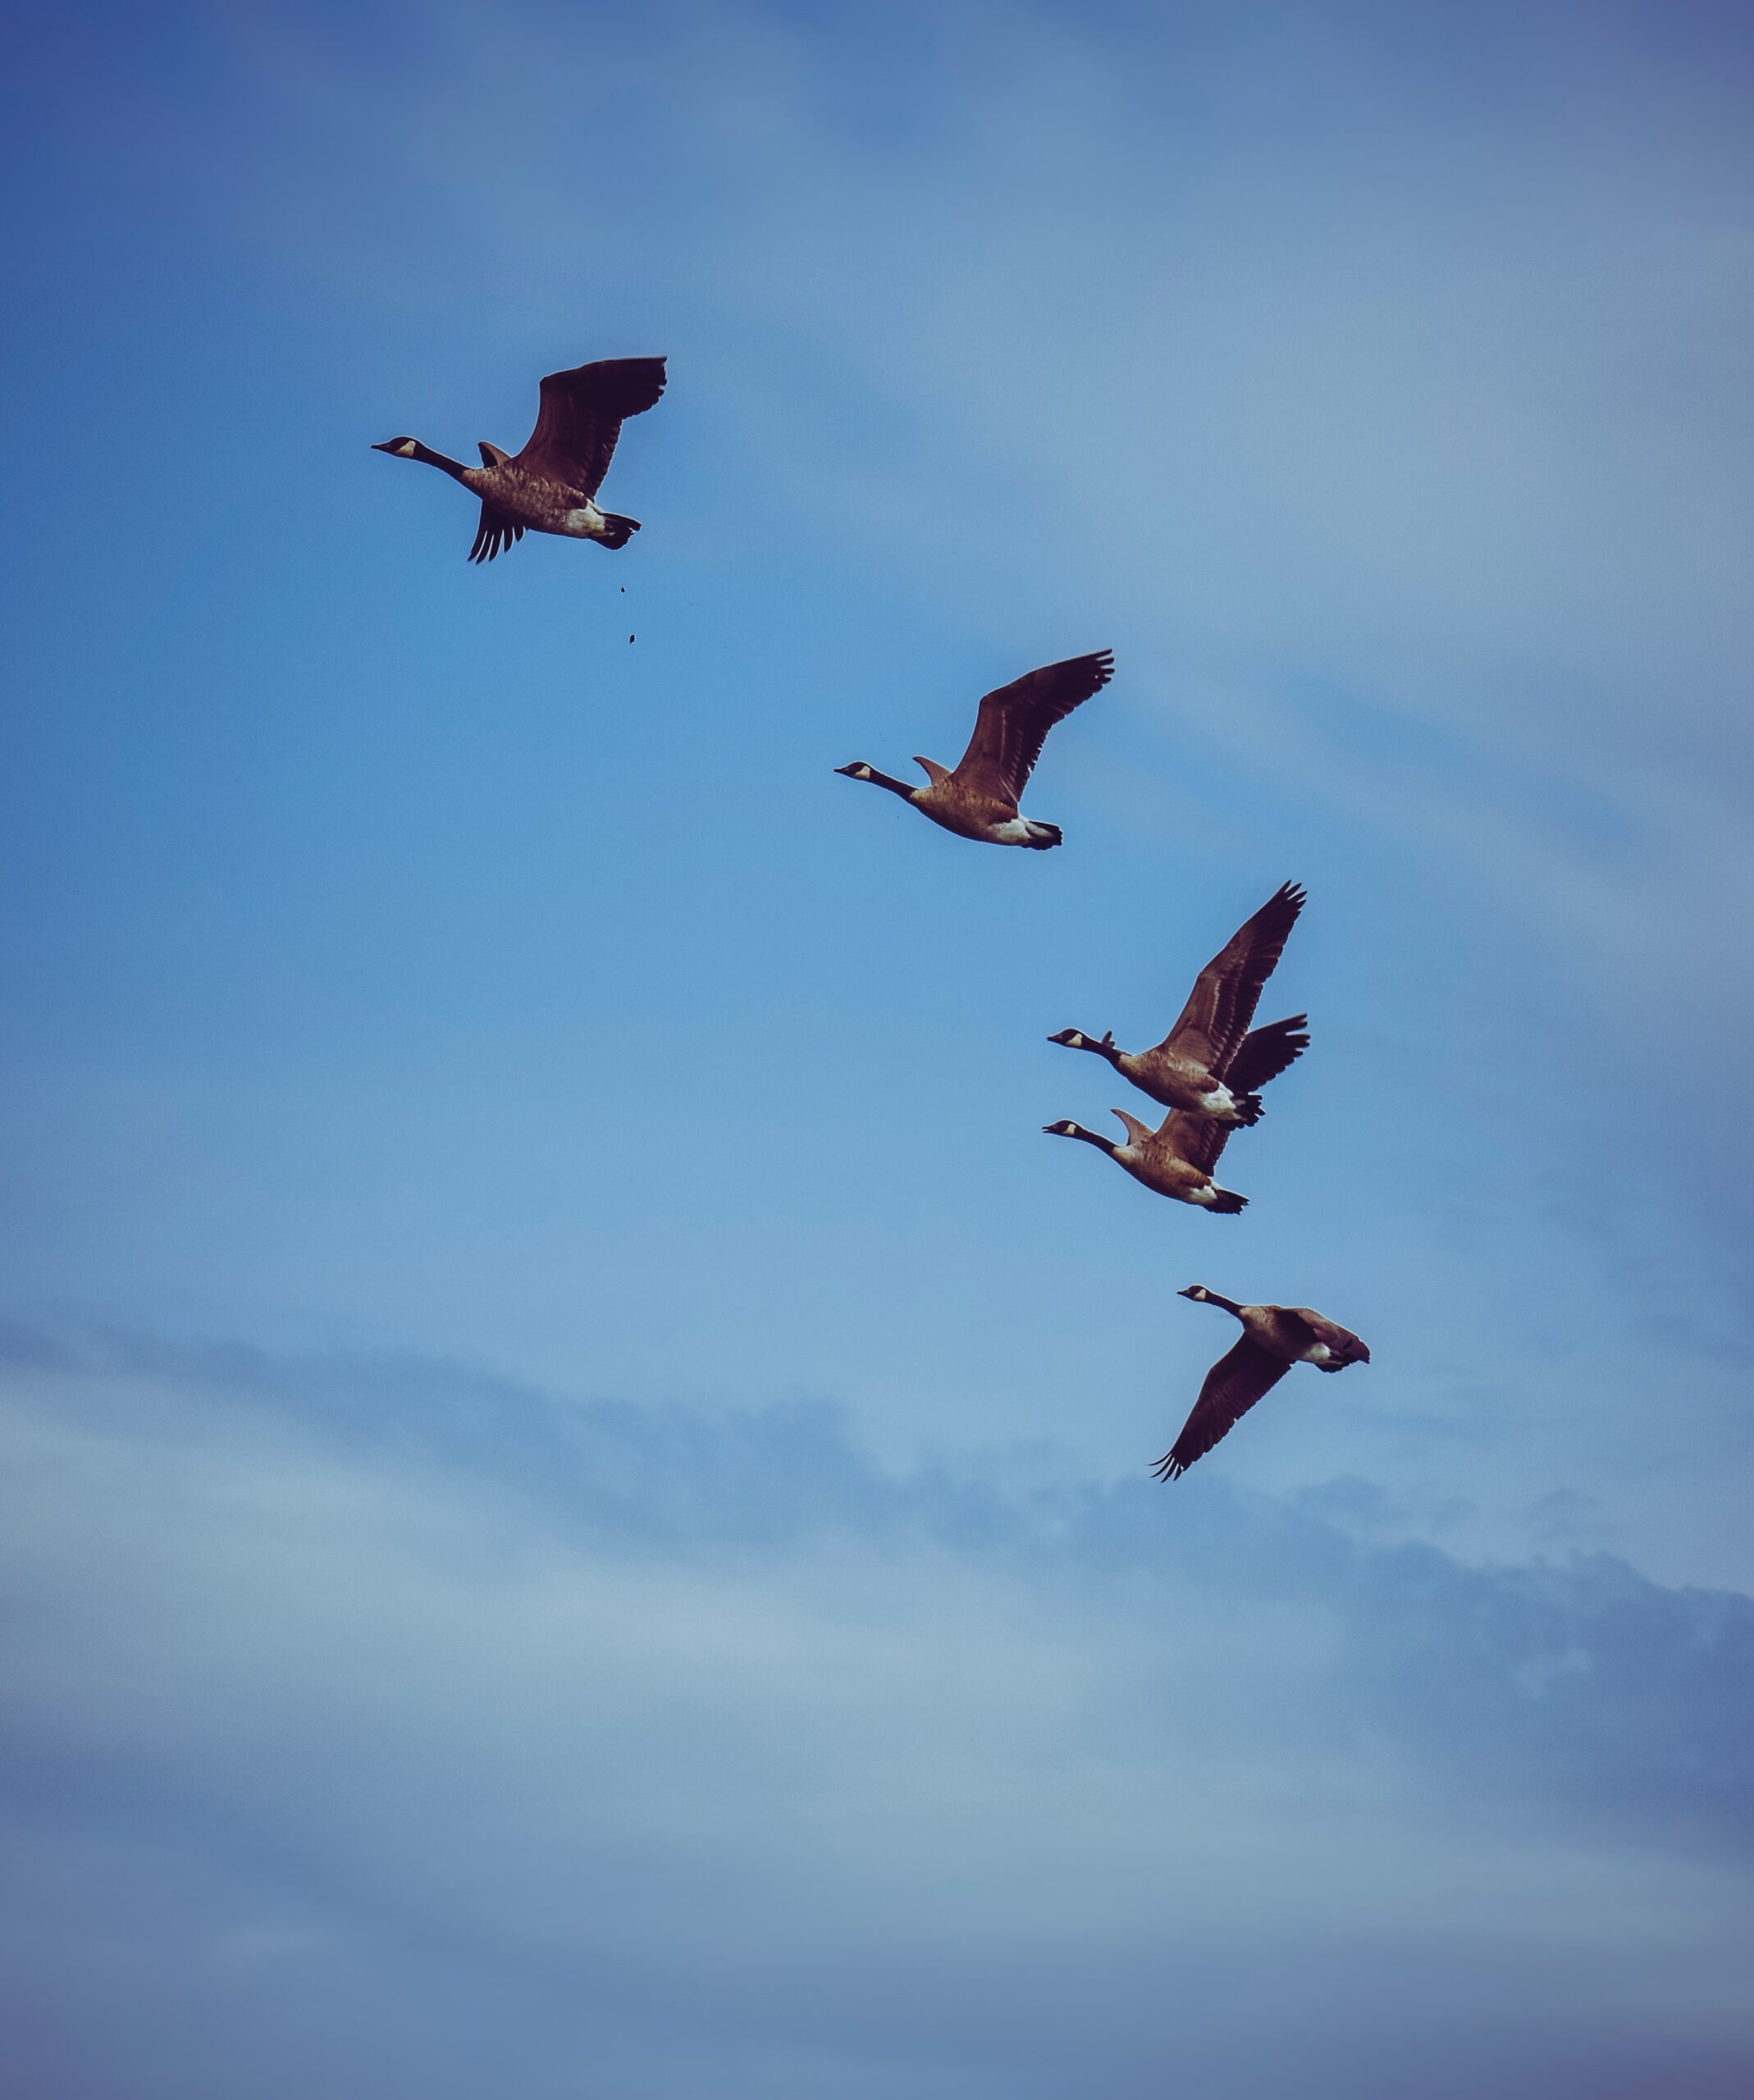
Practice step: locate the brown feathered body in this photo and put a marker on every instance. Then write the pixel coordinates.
(551, 485)
(1212, 1063)
(1274, 1337)
(1175, 1159)
(978, 797)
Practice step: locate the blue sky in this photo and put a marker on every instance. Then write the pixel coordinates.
(578, 1506)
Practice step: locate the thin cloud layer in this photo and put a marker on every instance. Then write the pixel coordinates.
(392, 1725)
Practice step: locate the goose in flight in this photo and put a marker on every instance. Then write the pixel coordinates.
(551, 486)
(1210, 1063)
(1274, 1337)
(978, 799)
(1176, 1160)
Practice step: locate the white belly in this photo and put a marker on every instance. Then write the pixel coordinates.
(584, 523)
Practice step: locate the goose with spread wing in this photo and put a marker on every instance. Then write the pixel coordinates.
(1176, 1160)
(978, 799)
(1211, 1063)
(1274, 1337)
(551, 486)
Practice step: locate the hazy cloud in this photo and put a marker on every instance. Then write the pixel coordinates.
(391, 1723)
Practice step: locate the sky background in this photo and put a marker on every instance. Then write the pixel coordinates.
(576, 1515)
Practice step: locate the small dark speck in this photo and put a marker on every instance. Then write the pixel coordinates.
(630, 638)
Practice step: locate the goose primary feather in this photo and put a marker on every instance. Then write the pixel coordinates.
(1274, 1337)
(551, 485)
(1210, 1063)
(978, 797)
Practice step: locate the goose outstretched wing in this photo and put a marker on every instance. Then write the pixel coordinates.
(1267, 1052)
(581, 414)
(496, 532)
(1014, 721)
(1232, 1386)
(1198, 1139)
(1221, 1005)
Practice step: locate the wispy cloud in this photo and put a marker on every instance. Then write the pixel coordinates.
(713, 1742)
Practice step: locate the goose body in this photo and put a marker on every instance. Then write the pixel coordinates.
(978, 797)
(1175, 1159)
(1211, 1063)
(1274, 1337)
(551, 486)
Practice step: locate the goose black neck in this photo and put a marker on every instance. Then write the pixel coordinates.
(904, 789)
(1228, 1304)
(454, 467)
(1095, 1138)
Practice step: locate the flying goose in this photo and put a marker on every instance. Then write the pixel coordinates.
(551, 486)
(980, 799)
(1274, 1337)
(1176, 1160)
(1209, 1063)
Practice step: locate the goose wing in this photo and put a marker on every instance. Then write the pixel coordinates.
(1221, 1005)
(1233, 1385)
(1267, 1052)
(1198, 1139)
(494, 535)
(581, 414)
(1014, 721)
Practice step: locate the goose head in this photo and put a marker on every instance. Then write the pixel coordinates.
(1075, 1038)
(404, 448)
(1197, 1291)
(859, 771)
(1065, 1128)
